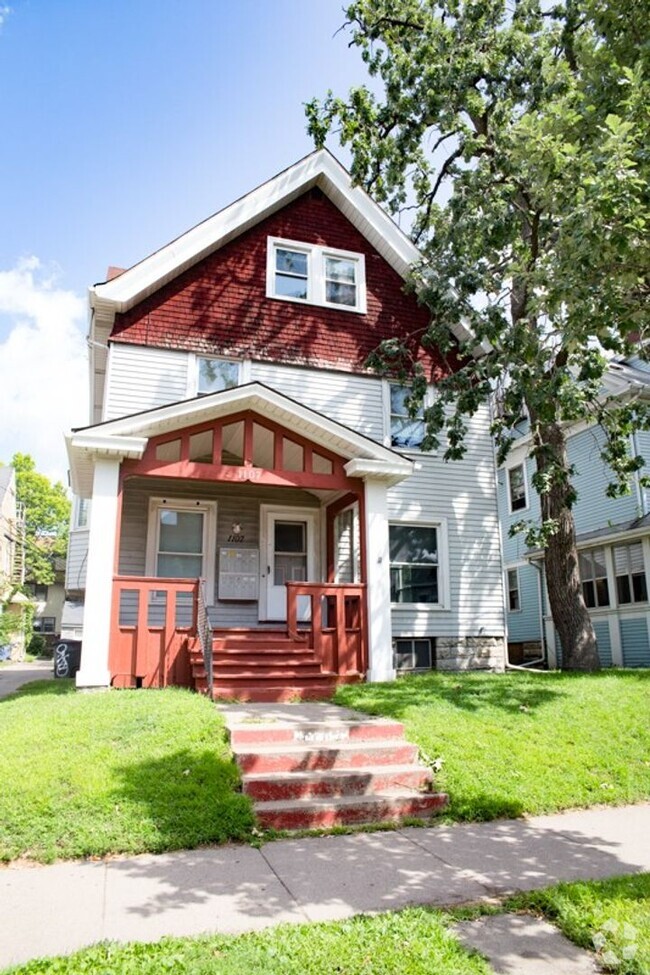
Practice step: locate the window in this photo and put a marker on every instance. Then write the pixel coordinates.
(44, 624)
(629, 569)
(213, 375)
(413, 654)
(82, 512)
(347, 546)
(315, 275)
(593, 572)
(181, 540)
(414, 564)
(514, 602)
(37, 591)
(517, 488)
(405, 431)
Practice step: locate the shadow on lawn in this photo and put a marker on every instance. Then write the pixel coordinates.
(472, 691)
(189, 797)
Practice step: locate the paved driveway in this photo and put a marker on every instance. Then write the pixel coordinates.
(14, 675)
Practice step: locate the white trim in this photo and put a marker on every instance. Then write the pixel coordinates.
(443, 604)
(615, 640)
(209, 511)
(380, 637)
(316, 255)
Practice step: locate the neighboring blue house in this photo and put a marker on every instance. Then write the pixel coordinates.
(613, 541)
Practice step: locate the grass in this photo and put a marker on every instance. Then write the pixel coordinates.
(411, 942)
(612, 916)
(92, 774)
(523, 743)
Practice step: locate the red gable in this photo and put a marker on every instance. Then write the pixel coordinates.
(220, 306)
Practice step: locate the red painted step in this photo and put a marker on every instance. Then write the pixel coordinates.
(302, 773)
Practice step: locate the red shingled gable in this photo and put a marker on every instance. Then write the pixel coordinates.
(219, 307)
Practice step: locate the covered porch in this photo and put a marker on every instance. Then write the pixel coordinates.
(250, 551)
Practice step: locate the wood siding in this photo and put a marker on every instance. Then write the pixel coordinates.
(143, 378)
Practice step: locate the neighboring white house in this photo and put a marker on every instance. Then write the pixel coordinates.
(613, 537)
(237, 437)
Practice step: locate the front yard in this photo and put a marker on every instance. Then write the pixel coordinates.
(149, 771)
(524, 743)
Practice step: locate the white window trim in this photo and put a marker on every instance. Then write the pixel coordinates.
(316, 255)
(76, 509)
(209, 510)
(428, 401)
(443, 604)
(513, 568)
(193, 371)
(512, 467)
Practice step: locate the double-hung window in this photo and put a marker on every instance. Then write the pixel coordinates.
(514, 599)
(315, 275)
(629, 569)
(406, 431)
(414, 563)
(593, 572)
(517, 488)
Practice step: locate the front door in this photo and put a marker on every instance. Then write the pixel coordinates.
(289, 547)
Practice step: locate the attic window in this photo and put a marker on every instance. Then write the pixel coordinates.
(315, 275)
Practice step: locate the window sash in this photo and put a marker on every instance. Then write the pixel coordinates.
(629, 569)
(593, 574)
(405, 431)
(414, 558)
(214, 375)
(517, 487)
(514, 600)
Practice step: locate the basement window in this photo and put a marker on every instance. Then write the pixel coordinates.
(413, 654)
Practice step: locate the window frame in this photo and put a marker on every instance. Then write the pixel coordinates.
(81, 519)
(588, 554)
(193, 372)
(209, 511)
(388, 415)
(517, 589)
(442, 565)
(316, 273)
(526, 504)
(412, 640)
(629, 575)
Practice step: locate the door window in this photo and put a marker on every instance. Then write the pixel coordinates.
(290, 552)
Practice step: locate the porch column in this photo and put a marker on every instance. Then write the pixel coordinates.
(378, 575)
(99, 575)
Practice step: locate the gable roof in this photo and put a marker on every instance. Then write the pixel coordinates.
(319, 168)
(128, 436)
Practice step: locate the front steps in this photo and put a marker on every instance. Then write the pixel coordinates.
(304, 770)
(264, 665)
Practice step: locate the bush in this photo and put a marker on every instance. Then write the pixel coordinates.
(37, 645)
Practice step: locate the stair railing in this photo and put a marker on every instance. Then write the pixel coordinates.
(204, 631)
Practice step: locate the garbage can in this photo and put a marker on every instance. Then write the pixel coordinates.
(67, 658)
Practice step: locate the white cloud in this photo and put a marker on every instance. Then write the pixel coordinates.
(4, 13)
(43, 365)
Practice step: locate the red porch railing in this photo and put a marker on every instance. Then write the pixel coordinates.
(153, 621)
(338, 624)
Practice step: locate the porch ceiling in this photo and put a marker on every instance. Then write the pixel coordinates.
(128, 436)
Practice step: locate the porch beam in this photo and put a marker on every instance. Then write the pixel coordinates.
(94, 670)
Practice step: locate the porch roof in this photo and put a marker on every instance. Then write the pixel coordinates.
(127, 437)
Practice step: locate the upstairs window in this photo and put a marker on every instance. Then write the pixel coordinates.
(315, 275)
(629, 569)
(213, 375)
(517, 488)
(405, 431)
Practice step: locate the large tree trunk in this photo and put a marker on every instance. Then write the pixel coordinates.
(570, 615)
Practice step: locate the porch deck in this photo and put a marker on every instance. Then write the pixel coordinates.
(161, 636)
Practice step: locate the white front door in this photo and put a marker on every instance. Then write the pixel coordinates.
(289, 554)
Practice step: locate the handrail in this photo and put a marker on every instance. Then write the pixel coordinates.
(204, 632)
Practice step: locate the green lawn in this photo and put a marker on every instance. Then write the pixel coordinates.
(524, 743)
(129, 771)
(412, 942)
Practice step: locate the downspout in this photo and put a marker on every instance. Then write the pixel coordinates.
(530, 665)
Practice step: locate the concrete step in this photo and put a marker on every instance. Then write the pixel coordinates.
(347, 810)
(342, 755)
(271, 692)
(315, 733)
(341, 782)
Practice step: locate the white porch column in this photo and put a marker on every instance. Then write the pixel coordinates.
(99, 575)
(378, 574)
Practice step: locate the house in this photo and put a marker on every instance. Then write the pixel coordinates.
(613, 536)
(252, 505)
(48, 603)
(12, 554)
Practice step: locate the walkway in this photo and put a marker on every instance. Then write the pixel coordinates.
(57, 909)
(14, 675)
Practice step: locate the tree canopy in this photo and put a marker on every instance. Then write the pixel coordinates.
(515, 133)
(47, 517)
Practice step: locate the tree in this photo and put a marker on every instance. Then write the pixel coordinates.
(47, 518)
(515, 133)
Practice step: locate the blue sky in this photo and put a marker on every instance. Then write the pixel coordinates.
(124, 124)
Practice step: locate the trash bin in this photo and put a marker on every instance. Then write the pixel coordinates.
(67, 658)
(5, 651)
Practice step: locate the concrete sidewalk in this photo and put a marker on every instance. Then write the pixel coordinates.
(14, 675)
(57, 909)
